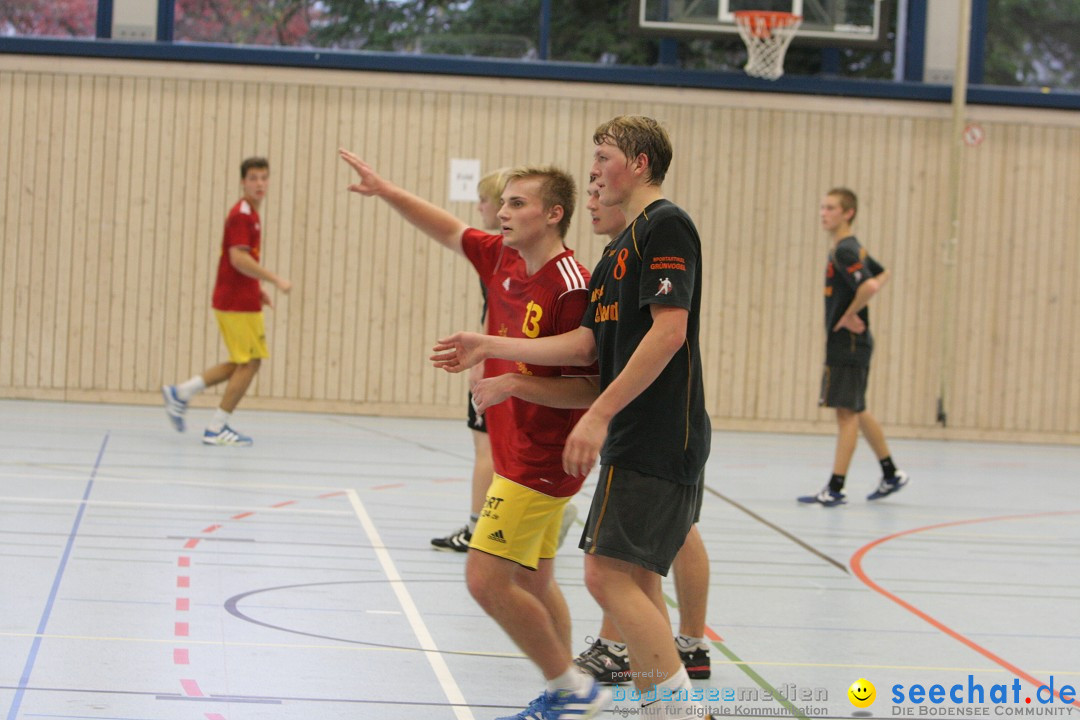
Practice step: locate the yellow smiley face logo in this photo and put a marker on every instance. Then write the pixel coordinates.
(862, 693)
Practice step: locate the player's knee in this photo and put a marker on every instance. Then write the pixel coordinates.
(598, 582)
(480, 582)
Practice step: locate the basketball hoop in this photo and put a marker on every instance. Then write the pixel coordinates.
(767, 35)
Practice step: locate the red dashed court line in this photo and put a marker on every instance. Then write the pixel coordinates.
(856, 566)
(191, 688)
(388, 487)
(183, 604)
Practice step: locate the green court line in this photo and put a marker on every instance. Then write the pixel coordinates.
(749, 671)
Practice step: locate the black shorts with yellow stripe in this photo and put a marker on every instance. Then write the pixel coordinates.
(640, 518)
(844, 386)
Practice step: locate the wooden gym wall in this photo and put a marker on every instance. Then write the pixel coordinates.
(116, 177)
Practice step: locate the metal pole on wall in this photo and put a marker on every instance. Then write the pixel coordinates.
(949, 250)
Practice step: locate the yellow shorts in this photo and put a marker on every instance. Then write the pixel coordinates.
(244, 334)
(518, 523)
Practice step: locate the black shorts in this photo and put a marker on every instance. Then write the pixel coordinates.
(844, 386)
(640, 518)
(476, 421)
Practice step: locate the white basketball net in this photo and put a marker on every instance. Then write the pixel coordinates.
(767, 36)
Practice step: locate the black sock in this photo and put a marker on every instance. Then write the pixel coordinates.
(887, 467)
(836, 483)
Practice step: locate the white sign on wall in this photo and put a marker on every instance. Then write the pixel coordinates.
(464, 174)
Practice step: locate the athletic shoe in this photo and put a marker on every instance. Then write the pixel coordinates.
(568, 517)
(826, 497)
(695, 658)
(455, 542)
(565, 705)
(603, 665)
(888, 486)
(227, 436)
(174, 407)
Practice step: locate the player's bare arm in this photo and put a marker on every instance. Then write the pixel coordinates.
(850, 320)
(460, 351)
(245, 264)
(665, 338)
(429, 219)
(567, 393)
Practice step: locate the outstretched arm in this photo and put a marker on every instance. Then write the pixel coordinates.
(460, 351)
(558, 392)
(430, 219)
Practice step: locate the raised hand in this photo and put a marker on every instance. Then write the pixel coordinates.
(370, 183)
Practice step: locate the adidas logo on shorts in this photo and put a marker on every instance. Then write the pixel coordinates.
(497, 536)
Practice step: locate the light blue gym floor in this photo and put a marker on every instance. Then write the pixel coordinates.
(144, 576)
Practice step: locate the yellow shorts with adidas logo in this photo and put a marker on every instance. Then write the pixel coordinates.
(518, 523)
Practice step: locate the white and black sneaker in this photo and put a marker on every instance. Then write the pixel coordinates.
(454, 542)
(888, 486)
(604, 664)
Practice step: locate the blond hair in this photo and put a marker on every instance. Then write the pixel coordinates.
(556, 188)
(491, 186)
(636, 135)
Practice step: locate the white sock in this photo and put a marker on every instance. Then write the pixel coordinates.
(675, 709)
(220, 420)
(472, 523)
(573, 680)
(687, 642)
(190, 388)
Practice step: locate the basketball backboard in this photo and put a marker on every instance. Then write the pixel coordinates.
(825, 22)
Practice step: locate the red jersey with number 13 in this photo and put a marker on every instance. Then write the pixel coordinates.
(527, 440)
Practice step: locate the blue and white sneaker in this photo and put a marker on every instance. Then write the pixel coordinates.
(826, 497)
(888, 486)
(565, 705)
(174, 407)
(227, 436)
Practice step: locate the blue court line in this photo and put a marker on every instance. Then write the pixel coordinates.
(16, 702)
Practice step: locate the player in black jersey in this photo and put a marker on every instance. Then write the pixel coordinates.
(852, 277)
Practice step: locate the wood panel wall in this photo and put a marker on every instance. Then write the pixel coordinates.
(116, 176)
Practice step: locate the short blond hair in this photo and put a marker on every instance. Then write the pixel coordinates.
(635, 135)
(491, 186)
(556, 188)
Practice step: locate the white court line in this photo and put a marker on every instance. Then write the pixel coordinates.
(427, 643)
(173, 506)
